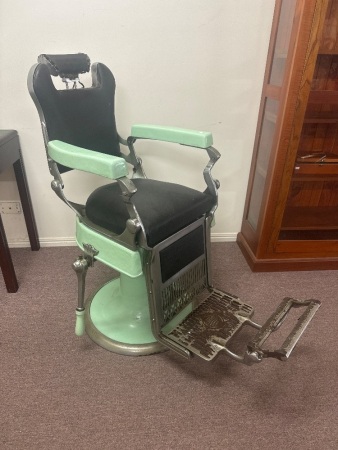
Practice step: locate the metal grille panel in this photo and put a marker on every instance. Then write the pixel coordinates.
(183, 290)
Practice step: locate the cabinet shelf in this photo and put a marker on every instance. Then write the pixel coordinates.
(333, 52)
(328, 97)
(321, 117)
(310, 218)
(320, 120)
(321, 164)
(316, 169)
(316, 157)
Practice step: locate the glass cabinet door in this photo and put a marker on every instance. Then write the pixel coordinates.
(312, 206)
(281, 49)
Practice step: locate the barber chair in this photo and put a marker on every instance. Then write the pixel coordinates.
(155, 234)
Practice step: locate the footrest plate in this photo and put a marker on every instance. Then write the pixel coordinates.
(219, 317)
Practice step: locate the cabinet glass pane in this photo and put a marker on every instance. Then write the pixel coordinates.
(282, 42)
(262, 161)
(311, 211)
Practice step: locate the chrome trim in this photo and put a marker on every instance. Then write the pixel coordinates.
(212, 184)
(134, 160)
(80, 266)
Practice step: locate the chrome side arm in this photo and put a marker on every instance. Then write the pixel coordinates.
(57, 186)
(132, 158)
(134, 223)
(212, 184)
(186, 137)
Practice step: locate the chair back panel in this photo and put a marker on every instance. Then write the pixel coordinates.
(84, 117)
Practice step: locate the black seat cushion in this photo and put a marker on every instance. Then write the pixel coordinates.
(164, 208)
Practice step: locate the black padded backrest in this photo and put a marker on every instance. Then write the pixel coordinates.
(84, 117)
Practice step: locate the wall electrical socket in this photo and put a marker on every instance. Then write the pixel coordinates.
(10, 208)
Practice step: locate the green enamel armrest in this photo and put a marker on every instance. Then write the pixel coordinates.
(192, 138)
(108, 166)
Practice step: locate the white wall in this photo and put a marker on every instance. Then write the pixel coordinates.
(195, 63)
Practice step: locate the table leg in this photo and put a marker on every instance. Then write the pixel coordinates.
(26, 204)
(6, 262)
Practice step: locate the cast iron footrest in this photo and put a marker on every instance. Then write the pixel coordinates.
(219, 318)
(208, 329)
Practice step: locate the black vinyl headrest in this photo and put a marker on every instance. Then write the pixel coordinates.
(66, 66)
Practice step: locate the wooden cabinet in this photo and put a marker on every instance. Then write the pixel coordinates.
(290, 219)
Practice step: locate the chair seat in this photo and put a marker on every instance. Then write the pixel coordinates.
(164, 208)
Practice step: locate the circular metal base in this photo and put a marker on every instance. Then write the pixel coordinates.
(106, 297)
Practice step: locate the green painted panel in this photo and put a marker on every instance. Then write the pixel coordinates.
(79, 158)
(201, 139)
(111, 253)
(120, 311)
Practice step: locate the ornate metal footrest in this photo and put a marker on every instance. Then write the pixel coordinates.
(217, 319)
(208, 329)
(273, 323)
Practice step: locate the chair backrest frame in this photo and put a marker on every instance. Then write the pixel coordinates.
(83, 117)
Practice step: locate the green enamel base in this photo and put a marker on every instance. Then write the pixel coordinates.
(117, 317)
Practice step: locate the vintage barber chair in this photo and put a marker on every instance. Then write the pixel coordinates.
(155, 234)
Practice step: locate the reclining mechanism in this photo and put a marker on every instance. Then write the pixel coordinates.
(155, 234)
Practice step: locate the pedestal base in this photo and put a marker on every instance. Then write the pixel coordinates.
(117, 317)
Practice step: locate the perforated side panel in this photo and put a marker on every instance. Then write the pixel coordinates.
(183, 290)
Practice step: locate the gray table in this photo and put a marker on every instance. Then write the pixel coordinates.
(10, 154)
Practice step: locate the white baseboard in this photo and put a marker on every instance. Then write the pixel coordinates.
(70, 241)
(45, 242)
(223, 237)
(58, 242)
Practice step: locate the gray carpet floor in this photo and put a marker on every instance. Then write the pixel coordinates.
(62, 392)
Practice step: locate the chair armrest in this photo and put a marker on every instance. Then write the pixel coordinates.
(192, 138)
(108, 166)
